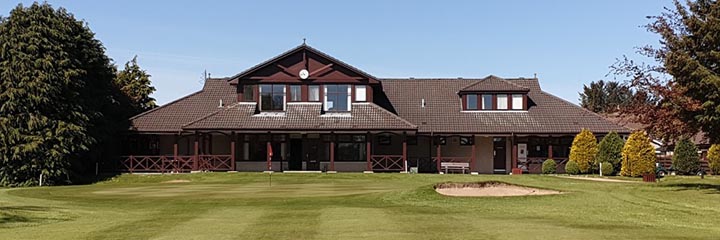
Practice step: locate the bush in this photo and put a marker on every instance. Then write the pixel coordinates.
(685, 157)
(572, 168)
(610, 150)
(607, 169)
(713, 158)
(549, 167)
(583, 151)
(638, 155)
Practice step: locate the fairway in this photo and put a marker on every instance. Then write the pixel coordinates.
(358, 206)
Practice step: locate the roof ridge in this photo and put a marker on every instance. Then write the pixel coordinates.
(392, 114)
(210, 115)
(496, 78)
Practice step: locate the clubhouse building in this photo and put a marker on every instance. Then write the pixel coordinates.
(307, 111)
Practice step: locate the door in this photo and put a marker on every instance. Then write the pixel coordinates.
(499, 160)
(296, 155)
(312, 154)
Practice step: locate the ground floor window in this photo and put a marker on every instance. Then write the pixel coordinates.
(350, 148)
(539, 146)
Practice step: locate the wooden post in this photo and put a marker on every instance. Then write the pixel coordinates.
(332, 153)
(368, 152)
(514, 156)
(439, 157)
(472, 156)
(196, 157)
(550, 156)
(268, 150)
(404, 152)
(175, 156)
(233, 137)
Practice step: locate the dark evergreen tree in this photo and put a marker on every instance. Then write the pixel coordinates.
(686, 159)
(57, 98)
(134, 82)
(605, 97)
(610, 150)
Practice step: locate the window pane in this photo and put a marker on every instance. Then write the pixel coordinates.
(248, 93)
(471, 102)
(517, 101)
(295, 93)
(314, 92)
(487, 101)
(272, 97)
(360, 93)
(502, 101)
(265, 101)
(337, 97)
(266, 88)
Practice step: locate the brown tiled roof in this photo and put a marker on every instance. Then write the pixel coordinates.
(547, 114)
(302, 116)
(172, 116)
(494, 84)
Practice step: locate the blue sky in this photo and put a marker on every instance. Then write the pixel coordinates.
(567, 43)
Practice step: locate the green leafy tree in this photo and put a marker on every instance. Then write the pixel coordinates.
(686, 159)
(584, 150)
(682, 82)
(610, 150)
(713, 157)
(638, 155)
(56, 96)
(134, 82)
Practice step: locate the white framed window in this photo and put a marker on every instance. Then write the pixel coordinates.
(517, 102)
(272, 97)
(502, 101)
(295, 93)
(471, 102)
(360, 93)
(337, 97)
(487, 101)
(314, 93)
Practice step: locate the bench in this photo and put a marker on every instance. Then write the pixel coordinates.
(455, 166)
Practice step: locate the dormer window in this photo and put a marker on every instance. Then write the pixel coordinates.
(502, 102)
(493, 101)
(472, 102)
(487, 101)
(337, 97)
(272, 97)
(517, 102)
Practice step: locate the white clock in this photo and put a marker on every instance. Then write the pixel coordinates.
(304, 74)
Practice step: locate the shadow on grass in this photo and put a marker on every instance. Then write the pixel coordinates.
(20, 214)
(713, 188)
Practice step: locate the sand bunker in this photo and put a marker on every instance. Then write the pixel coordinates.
(177, 181)
(489, 189)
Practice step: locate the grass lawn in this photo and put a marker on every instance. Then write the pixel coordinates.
(358, 206)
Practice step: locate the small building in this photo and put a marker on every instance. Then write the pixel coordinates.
(307, 111)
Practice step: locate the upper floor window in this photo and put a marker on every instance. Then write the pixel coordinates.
(471, 102)
(248, 93)
(314, 93)
(487, 101)
(502, 102)
(360, 93)
(272, 97)
(337, 97)
(517, 102)
(295, 93)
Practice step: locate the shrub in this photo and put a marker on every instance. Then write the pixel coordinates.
(713, 158)
(607, 168)
(583, 151)
(638, 155)
(685, 157)
(572, 168)
(549, 167)
(610, 150)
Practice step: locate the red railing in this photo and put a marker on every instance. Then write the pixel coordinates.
(215, 162)
(387, 162)
(180, 163)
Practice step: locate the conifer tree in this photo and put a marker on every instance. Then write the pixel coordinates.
(584, 149)
(610, 150)
(638, 155)
(713, 157)
(134, 82)
(56, 96)
(686, 159)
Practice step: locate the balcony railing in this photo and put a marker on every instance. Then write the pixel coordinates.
(387, 162)
(180, 163)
